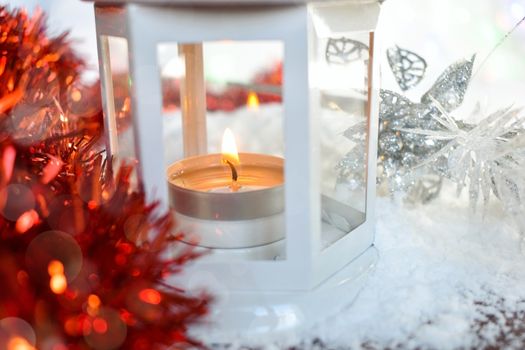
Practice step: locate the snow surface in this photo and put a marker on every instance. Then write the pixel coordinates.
(436, 261)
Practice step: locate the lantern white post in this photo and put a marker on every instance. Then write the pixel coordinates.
(146, 96)
(108, 101)
(301, 152)
(193, 101)
(373, 124)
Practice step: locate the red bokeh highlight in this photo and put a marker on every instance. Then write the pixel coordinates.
(150, 296)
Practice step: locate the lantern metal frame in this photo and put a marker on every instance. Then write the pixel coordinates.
(255, 295)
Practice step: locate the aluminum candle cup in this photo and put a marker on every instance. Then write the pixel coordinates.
(219, 213)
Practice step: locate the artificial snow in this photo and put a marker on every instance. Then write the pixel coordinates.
(447, 278)
(437, 263)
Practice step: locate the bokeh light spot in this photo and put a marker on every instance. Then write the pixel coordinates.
(106, 331)
(54, 253)
(27, 220)
(76, 95)
(71, 326)
(100, 325)
(252, 101)
(16, 334)
(58, 284)
(19, 343)
(55, 267)
(150, 296)
(93, 305)
(94, 301)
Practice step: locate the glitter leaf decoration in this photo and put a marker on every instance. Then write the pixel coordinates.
(400, 147)
(407, 66)
(449, 89)
(345, 50)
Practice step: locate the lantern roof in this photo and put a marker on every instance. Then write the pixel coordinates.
(226, 2)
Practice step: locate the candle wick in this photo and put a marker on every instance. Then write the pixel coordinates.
(233, 170)
(235, 186)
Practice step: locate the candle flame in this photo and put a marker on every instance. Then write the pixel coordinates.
(229, 147)
(252, 101)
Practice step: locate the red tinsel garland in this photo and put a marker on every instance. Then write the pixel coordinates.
(232, 97)
(82, 258)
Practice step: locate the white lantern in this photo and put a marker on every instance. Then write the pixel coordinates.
(289, 221)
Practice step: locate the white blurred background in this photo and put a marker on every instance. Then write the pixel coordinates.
(444, 31)
(441, 31)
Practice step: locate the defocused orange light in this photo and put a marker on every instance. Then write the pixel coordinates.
(93, 301)
(93, 304)
(252, 101)
(19, 343)
(150, 296)
(58, 284)
(55, 267)
(26, 221)
(76, 95)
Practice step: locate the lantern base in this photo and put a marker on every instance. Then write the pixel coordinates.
(252, 318)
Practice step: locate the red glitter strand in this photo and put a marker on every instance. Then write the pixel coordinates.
(76, 262)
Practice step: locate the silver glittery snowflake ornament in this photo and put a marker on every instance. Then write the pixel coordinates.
(486, 159)
(399, 149)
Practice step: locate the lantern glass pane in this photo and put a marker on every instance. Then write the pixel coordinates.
(210, 87)
(242, 91)
(339, 81)
(118, 108)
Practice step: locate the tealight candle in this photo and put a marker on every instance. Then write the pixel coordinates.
(228, 200)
